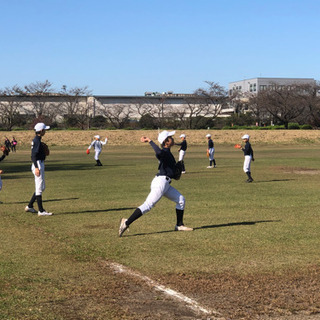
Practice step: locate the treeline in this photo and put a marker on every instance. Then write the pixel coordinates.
(289, 107)
(282, 104)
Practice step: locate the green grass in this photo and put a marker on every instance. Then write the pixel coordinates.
(271, 225)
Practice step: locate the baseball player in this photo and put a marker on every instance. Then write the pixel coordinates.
(14, 143)
(97, 144)
(210, 152)
(160, 185)
(248, 156)
(182, 150)
(39, 152)
(1, 158)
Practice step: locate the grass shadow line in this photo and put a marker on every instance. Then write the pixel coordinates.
(96, 211)
(50, 200)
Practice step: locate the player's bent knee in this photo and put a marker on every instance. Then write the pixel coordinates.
(146, 207)
(181, 203)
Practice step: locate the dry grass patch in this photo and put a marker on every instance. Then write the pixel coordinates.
(194, 137)
(297, 170)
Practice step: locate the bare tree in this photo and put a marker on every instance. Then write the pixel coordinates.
(37, 93)
(10, 106)
(118, 115)
(216, 95)
(239, 102)
(195, 107)
(141, 107)
(161, 111)
(75, 106)
(179, 117)
(254, 104)
(282, 102)
(310, 98)
(204, 103)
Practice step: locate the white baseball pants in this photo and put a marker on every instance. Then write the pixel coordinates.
(247, 163)
(39, 181)
(97, 154)
(181, 155)
(211, 154)
(160, 186)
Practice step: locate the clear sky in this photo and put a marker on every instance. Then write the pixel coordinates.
(128, 47)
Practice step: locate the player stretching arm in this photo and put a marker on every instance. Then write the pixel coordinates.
(160, 185)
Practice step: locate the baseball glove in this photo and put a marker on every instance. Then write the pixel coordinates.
(207, 154)
(5, 150)
(88, 151)
(179, 166)
(237, 146)
(45, 148)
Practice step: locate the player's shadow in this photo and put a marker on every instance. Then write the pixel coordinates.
(50, 200)
(97, 211)
(274, 180)
(231, 224)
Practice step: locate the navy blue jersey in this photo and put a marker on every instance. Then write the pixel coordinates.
(183, 145)
(37, 151)
(247, 150)
(167, 163)
(210, 144)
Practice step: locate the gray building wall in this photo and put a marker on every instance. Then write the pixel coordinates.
(254, 85)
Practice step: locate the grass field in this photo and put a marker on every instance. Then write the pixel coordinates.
(254, 251)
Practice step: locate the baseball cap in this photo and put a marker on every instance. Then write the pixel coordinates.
(97, 136)
(40, 126)
(182, 135)
(164, 135)
(246, 136)
(208, 135)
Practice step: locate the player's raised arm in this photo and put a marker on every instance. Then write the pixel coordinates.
(145, 139)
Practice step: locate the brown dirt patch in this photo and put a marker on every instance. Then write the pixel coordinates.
(195, 137)
(297, 170)
(294, 295)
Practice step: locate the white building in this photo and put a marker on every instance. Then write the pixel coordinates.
(254, 85)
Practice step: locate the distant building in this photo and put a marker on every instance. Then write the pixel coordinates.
(254, 85)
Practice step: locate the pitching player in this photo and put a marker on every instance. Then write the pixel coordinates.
(182, 150)
(97, 144)
(210, 151)
(248, 157)
(38, 156)
(160, 185)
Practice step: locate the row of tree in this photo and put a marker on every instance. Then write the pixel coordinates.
(283, 104)
(72, 108)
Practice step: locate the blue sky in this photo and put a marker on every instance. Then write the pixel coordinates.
(127, 47)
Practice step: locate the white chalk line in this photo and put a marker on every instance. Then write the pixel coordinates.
(192, 304)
